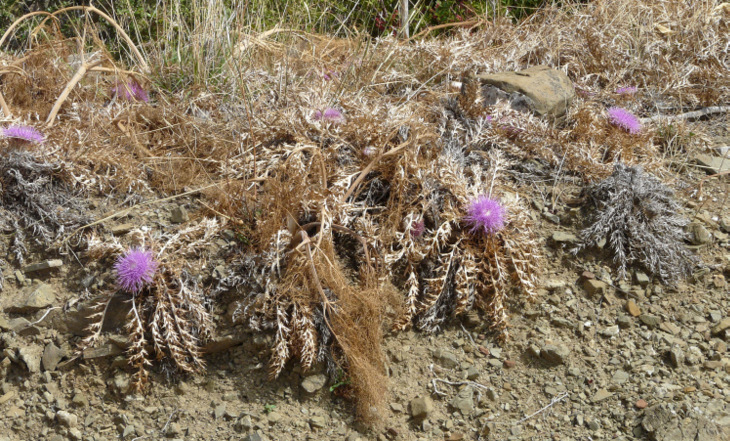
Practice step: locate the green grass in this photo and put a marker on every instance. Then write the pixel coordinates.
(146, 17)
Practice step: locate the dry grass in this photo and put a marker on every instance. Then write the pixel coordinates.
(328, 206)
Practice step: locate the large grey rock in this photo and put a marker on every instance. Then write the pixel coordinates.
(421, 407)
(555, 354)
(676, 356)
(698, 234)
(32, 299)
(548, 91)
(31, 356)
(664, 424)
(76, 320)
(51, 356)
(464, 401)
(563, 237)
(67, 419)
(318, 422)
(46, 264)
(256, 436)
(713, 164)
(179, 215)
(19, 324)
(446, 359)
(722, 326)
(220, 344)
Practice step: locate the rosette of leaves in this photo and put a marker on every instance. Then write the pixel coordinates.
(639, 219)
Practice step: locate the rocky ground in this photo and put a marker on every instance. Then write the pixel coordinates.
(593, 358)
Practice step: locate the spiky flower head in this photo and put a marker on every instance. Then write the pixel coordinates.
(131, 91)
(23, 133)
(135, 269)
(330, 114)
(624, 119)
(417, 228)
(628, 90)
(486, 215)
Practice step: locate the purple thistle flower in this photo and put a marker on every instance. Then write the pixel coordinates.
(485, 214)
(333, 115)
(330, 114)
(629, 90)
(135, 270)
(131, 91)
(624, 119)
(139, 93)
(417, 228)
(24, 133)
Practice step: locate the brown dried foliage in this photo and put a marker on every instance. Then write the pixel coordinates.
(328, 206)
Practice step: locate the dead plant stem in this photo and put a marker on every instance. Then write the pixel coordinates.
(71, 84)
(370, 166)
(128, 210)
(6, 109)
(18, 21)
(115, 25)
(687, 115)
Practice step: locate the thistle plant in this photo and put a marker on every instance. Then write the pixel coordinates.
(627, 90)
(168, 308)
(476, 250)
(639, 219)
(329, 115)
(37, 198)
(418, 228)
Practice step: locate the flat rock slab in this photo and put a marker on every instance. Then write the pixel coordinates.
(220, 344)
(52, 355)
(549, 90)
(40, 266)
(32, 299)
(31, 356)
(77, 319)
(107, 350)
(713, 164)
(665, 424)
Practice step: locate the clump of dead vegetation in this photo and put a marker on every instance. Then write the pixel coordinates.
(39, 199)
